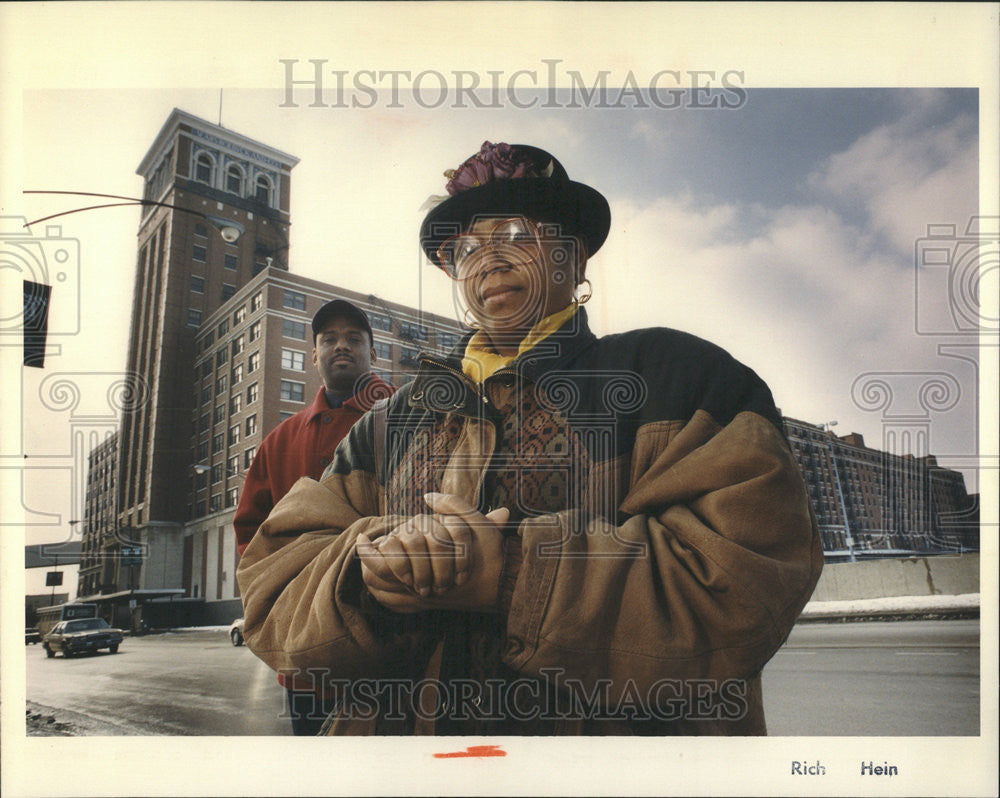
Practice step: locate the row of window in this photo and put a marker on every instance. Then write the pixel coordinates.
(215, 503)
(234, 180)
(291, 360)
(232, 465)
(199, 254)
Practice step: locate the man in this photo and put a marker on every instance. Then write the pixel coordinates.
(547, 532)
(303, 446)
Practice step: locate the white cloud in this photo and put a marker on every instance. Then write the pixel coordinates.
(909, 173)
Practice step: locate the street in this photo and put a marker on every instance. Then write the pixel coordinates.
(891, 678)
(901, 678)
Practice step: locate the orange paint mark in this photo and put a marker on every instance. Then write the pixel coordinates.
(474, 751)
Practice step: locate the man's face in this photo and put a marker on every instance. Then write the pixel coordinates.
(342, 353)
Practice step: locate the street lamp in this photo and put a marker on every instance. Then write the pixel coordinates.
(229, 230)
(203, 468)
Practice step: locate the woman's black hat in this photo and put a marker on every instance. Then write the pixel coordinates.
(516, 180)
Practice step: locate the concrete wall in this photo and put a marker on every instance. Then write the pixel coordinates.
(945, 575)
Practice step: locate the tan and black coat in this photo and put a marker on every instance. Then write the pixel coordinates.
(661, 547)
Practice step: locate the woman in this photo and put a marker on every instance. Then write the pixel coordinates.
(546, 532)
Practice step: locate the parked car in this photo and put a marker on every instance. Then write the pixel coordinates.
(32, 636)
(84, 634)
(236, 632)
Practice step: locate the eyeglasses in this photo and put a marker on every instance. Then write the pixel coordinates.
(459, 253)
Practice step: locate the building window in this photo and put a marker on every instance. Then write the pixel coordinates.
(234, 179)
(293, 329)
(230, 261)
(200, 230)
(252, 394)
(383, 350)
(240, 315)
(232, 497)
(239, 344)
(236, 404)
(218, 441)
(253, 362)
(262, 189)
(206, 368)
(256, 301)
(248, 456)
(206, 394)
(234, 434)
(203, 423)
(284, 415)
(292, 391)
(408, 356)
(217, 473)
(199, 253)
(292, 360)
(254, 331)
(294, 300)
(194, 318)
(448, 340)
(228, 290)
(204, 168)
(414, 332)
(220, 413)
(223, 327)
(202, 451)
(380, 321)
(251, 427)
(233, 466)
(215, 503)
(237, 374)
(221, 357)
(197, 284)
(220, 385)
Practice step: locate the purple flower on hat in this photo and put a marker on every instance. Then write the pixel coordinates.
(492, 162)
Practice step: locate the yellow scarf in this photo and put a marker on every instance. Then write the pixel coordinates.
(481, 360)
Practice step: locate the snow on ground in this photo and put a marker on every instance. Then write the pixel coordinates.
(892, 604)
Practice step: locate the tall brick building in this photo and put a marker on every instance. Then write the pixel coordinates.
(873, 503)
(220, 350)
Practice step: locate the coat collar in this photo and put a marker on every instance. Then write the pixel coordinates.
(373, 390)
(440, 386)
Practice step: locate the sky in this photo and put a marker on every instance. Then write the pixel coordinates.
(786, 228)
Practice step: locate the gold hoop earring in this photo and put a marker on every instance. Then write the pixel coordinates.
(474, 324)
(583, 300)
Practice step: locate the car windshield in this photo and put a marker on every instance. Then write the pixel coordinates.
(85, 625)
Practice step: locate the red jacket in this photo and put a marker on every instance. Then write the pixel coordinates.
(300, 446)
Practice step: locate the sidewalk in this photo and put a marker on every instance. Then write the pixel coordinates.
(900, 608)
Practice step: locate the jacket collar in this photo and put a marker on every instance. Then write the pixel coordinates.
(440, 386)
(373, 390)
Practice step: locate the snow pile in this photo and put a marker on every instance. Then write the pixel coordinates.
(892, 605)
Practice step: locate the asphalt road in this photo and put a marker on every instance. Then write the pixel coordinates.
(858, 679)
(898, 678)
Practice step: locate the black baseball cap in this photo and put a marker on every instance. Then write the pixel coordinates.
(343, 309)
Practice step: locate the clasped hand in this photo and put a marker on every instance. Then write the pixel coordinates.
(449, 559)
